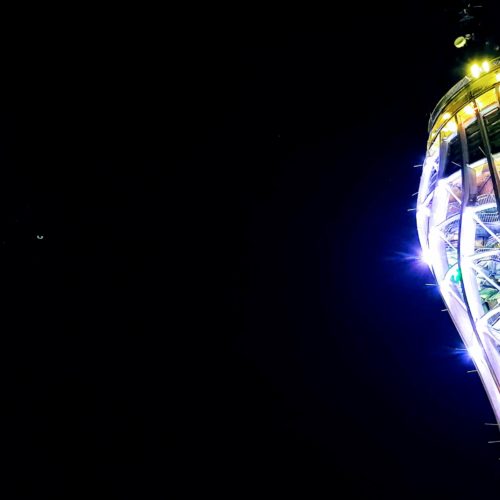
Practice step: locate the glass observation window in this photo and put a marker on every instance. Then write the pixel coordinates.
(492, 123)
(453, 161)
(474, 142)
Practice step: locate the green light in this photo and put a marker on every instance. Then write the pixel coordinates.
(457, 276)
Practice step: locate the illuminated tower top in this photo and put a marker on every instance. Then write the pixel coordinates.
(458, 214)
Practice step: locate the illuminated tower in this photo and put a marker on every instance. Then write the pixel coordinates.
(458, 214)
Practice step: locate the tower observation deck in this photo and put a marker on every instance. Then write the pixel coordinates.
(458, 214)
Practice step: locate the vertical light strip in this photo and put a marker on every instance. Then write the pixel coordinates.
(466, 244)
(467, 231)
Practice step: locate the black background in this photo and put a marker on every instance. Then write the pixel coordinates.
(224, 301)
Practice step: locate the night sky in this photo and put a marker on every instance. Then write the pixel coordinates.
(208, 266)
